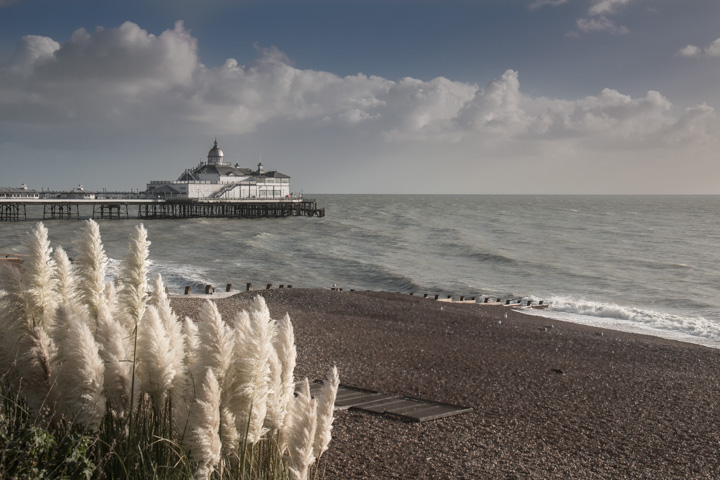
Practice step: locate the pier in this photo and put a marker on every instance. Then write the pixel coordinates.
(16, 209)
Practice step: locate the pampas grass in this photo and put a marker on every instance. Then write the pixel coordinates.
(325, 408)
(38, 277)
(298, 435)
(79, 370)
(203, 437)
(153, 396)
(91, 264)
(157, 367)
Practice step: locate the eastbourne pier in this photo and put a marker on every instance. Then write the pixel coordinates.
(213, 189)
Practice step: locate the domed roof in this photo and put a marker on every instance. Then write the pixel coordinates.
(215, 151)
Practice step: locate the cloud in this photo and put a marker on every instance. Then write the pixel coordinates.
(127, 76)
(600, 24)
(598, 19)
(607, 7)
(712, 50)
(126, 85)
(544, 3)
(31, 50)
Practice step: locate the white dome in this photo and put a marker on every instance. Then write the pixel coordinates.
(215, 155)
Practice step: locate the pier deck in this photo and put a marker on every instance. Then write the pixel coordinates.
(16, 209)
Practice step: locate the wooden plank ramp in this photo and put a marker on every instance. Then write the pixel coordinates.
(394, 406)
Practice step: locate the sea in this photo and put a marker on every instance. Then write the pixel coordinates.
(644, 264)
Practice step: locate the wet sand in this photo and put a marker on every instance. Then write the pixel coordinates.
(550, 399)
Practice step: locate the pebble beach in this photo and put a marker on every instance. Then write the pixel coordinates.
(550, 399)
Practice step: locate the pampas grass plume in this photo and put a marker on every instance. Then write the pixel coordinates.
(215, 349)
(91, 264)
(325, 408)
(33, 367)
(203, 437)
(132, 296)
(298, 434)
(157, 367)
(65, 281)
(38, 277)
(80, 371)
(248, 384)
(115, 352)
(284, 344)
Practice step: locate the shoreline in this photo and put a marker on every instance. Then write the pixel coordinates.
(551, 399)
(605, 323)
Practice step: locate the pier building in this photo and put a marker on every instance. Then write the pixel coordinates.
(218, 179)
(22, 192)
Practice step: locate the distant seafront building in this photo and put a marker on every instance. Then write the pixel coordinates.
(22, 192)
(216, 179)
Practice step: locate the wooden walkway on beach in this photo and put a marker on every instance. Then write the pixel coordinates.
(404, 408)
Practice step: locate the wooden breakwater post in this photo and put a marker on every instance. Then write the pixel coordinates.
(228, 287)
(209, 289)
(249, 287)
(188, 290)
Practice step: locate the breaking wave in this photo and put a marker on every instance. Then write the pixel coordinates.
(634, 319)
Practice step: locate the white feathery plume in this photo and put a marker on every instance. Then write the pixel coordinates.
(276, 410)
(33, 368)
(228, 432)
(298, 433)
(170, 321)
(202, 439)
(38, 278)
(78, 370)
(65, 281)
(325, 409)
(115, 352)
(91, 264)
(110, 295)
(156, 366)
(247, 391)
(132, 296)
(260, 308)
(183, 391)
(191, 339)
(215, 348)
(284, 344)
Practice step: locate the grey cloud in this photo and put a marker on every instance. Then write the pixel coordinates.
(712, 50)
(600, 24)
(607, 7)
(544, 3)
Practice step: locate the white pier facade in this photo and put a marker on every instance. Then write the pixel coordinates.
(217, 179)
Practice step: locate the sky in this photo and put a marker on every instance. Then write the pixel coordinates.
(346, 96)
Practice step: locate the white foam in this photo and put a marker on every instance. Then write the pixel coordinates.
(698, 330)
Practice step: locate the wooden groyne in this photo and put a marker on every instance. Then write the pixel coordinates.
(16, 209)
(516, 303)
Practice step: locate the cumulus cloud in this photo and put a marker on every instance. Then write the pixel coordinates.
(598, 19)
(545, 3)
(125, 73)
(600, 24)
(712, 50)
(127, 80)
(607, 7)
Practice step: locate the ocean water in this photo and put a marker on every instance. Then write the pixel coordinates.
(649, 264)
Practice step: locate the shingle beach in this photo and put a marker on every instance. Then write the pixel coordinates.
(550, 399)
